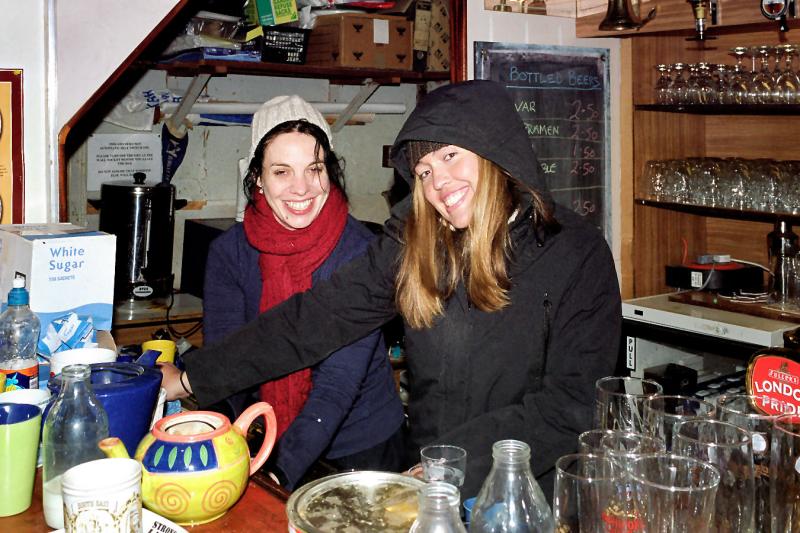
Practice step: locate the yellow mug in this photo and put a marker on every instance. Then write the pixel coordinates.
(166, 347)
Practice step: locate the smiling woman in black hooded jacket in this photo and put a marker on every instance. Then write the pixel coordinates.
(511, 303)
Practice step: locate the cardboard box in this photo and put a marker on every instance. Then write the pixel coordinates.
(66, 267)
(439, 37)
(361, 40)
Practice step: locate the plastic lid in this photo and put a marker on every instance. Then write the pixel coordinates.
(18, 295)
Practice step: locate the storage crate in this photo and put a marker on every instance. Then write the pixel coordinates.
(285, 44)
(361, 40)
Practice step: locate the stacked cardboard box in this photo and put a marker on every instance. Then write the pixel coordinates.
(361, 40)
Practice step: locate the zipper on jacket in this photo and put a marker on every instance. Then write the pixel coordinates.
(538, 376)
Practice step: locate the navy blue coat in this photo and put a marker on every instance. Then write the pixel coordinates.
(353, 404)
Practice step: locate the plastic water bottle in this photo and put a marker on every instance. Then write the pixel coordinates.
(438, 510)
(19, 335)
(510, 500)
(74, 426)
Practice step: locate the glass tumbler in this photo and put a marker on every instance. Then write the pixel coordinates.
(444, 462)
(674, 494)
(619, 402)
(729, 448)
(785, 474)
(740, 410)
(663, 413)
(581, 502)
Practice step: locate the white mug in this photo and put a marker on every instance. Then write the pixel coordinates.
(103, 496)
(84, 356)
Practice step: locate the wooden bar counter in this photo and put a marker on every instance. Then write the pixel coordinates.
(262, 507)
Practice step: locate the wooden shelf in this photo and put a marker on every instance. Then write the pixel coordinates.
(719, 109)
(721, 212)
(218, 67)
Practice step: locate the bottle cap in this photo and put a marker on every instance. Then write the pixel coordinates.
(18, 295)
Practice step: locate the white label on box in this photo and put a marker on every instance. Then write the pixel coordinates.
(115, 156)
(380, 31)
(696, 280)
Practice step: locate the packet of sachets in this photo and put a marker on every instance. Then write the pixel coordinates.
(67, 332)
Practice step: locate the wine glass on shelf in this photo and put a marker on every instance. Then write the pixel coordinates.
(654, 181)
(787, 84)
(719, 78)
(759, 90)
(678, 87)
(737, 80)
(663, 95)
(706, 89)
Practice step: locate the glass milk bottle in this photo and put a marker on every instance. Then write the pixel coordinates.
(19, 336)
(74, 426)
(438, 510)
(510, 500)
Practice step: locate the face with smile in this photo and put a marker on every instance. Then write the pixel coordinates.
(294, 179)
(449, 179)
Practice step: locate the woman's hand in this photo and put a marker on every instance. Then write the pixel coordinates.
(174, 382)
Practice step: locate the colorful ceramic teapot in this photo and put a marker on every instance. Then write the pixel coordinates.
(196, 464)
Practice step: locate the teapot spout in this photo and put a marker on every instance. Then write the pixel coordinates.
(113, 447)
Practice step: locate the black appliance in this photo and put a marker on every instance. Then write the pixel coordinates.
(197, 235)
(142, 216)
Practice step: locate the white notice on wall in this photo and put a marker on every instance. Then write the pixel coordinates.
(115, 156)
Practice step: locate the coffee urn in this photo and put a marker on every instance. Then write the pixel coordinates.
(142, 216)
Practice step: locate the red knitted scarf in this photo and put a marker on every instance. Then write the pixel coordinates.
(287, 260)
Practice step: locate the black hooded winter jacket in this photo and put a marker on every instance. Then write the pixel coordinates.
(526, 372)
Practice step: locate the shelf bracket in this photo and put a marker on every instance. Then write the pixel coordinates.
(369, 87)
(175, 122)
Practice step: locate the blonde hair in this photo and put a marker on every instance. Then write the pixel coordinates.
(436, 258)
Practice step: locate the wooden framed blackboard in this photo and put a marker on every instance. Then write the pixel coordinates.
(561, 93)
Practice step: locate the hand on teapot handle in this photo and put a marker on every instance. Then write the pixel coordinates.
(174, 381)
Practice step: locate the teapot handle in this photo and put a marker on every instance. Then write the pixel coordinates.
(270, 429)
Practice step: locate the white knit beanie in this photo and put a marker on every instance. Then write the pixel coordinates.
(283, 109)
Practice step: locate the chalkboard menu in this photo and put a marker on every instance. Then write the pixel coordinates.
(561, 94)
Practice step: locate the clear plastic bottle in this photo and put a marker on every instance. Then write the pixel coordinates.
(438, 510)
(510, 500)
(74, 426)
(19, 335)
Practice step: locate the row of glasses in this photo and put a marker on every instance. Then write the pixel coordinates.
(766, 185)
(766, 81)
(757, 456)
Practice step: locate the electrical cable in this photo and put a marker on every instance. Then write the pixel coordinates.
(174, 332)
(708, 278)
(685, 246)
(751, 263)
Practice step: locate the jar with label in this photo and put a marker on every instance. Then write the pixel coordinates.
(19, 336)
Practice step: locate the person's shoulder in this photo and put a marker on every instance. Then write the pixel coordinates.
(354, 240)
(229, 240)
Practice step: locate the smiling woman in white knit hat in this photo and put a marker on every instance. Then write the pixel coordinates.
(296, 231)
